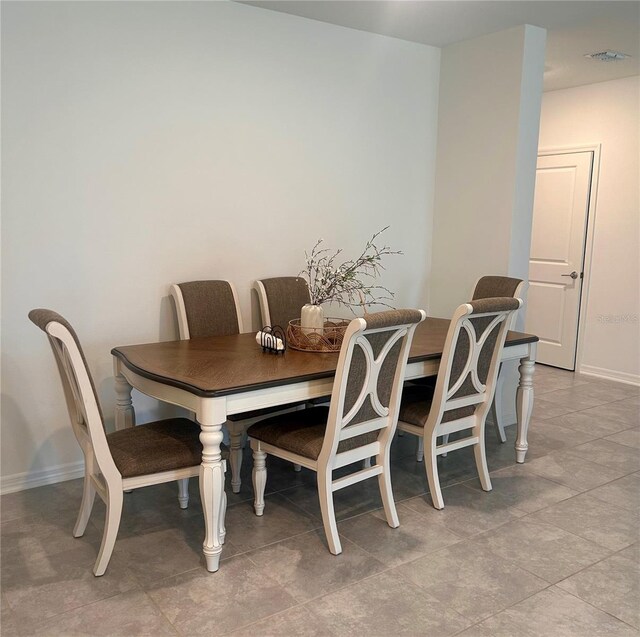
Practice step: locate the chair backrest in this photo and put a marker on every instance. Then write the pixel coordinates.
(368, 383)
(471, 358)
(206, 308)
(281, 299)
(494, 286)
(79, 390)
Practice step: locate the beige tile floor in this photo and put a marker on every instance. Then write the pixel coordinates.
(551, 551)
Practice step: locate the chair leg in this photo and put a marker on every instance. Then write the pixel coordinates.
(420, 451)
(298, 467)
(481, 463)
(259, 477)
(111, 525)
(366, 463)
(386, 492)
(183, 493)
(431, 467)
(325, 494)
(496, 409)
(88, 497)
(445, 440)
(236, 431)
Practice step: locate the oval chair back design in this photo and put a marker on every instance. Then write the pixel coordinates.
(206, 308)
(359, 423)
(367, 389)
(471, 357)
(464, 388)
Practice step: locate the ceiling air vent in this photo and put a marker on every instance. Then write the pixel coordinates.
(607, 56)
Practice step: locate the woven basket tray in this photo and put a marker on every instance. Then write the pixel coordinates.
(317, 339)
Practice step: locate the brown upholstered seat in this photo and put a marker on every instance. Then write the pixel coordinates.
(157, 446)
(302, 432)
(416, 405)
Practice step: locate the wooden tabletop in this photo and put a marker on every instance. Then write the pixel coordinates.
(223, 365)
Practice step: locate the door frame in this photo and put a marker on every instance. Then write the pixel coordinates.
(589, 238)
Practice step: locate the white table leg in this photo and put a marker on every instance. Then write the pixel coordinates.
(524, 401)
(125, 415)
(211, 415)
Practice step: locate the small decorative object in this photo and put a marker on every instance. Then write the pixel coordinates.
(326, 338)
(350, 283)
(272, 339)
(311, 317)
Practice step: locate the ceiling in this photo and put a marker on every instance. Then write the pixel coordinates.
(574, 27)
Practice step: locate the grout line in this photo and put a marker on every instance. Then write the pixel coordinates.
(162, 613)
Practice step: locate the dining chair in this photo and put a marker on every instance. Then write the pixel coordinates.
(281, 299)
(211, 308)
(487, 287)
(491, 287)
(464, 388)
(131, 458)
(358, 424)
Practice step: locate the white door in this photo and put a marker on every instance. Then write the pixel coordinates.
(560, 210)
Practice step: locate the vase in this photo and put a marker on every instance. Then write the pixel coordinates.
(311, 318)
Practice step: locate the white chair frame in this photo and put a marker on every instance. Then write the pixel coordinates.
(236, 429)
(496, 406)
(101, 475)
(264, 302)
(338, 430)
(443, 401)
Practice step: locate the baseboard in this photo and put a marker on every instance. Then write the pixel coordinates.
(32, 479)
(610, 374)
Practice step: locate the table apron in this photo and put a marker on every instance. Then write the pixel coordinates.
(278, 395)
(271, 396)
(516, 352)
(158, 390)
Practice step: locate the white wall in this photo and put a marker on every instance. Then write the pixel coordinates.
(607, 113)
(148, 143)
(490, 92)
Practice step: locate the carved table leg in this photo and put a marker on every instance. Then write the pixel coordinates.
(125, 414)
(211, 416)
(524, 401)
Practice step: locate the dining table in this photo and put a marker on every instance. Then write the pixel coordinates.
(218, 376)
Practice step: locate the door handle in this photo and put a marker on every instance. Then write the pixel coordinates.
(573, 275)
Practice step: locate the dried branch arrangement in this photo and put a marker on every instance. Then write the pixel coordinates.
(351, 283)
